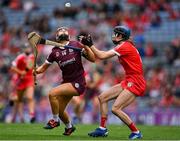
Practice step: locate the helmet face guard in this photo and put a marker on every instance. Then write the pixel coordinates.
(113, 37)
(123, 30)
(62, 34)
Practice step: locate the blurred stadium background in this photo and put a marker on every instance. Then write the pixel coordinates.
(155, 28)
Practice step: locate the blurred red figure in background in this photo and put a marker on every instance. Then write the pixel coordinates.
(22, 66)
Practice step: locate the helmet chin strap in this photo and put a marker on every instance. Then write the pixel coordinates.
(117, 42)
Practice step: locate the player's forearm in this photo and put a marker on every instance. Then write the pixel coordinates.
(42, 68)
(99, 54)
(90, 55)
(16, 70)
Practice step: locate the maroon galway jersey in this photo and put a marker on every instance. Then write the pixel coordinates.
(69, 61)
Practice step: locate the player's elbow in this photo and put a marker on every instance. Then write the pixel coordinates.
(93, 59)
(12, 68)
(101, 57)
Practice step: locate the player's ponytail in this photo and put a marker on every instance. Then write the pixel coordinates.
(130, 40)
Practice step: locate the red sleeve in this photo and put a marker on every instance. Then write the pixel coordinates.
(121, 49)
(18, 60)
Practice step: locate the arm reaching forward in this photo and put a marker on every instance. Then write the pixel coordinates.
(42, 68)
(102, 54)
(87, 41)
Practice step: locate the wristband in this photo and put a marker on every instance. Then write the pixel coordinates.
(42, 41)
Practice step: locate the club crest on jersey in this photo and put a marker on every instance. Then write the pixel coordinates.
(70, 50)
(57, 54)
(64, 52)
(77, 85)
(129, 84)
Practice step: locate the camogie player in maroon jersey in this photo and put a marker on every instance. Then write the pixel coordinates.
(132, 86)
(70, 63)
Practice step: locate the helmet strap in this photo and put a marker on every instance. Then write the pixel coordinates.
(117, 42)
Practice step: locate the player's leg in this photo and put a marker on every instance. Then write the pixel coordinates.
(20, 94)
(14, 111)
(77, 103)
(13, 101)
(65, 89)
(63, 101)
(95, 102)
(29, 93)
(123, 100)
(106, 96)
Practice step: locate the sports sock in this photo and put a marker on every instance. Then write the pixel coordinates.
(68, 125)
(103, 122)
(32, 114)
(102, 128)
(133, 128)
(56, 117)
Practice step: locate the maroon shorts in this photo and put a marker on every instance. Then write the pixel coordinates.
(79, 84)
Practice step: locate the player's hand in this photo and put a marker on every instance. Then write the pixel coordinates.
(23, 73)
(86, 40)
(35, 72)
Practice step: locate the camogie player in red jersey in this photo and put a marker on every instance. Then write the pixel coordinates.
(132, 86)
(24, 83)
(70, 63)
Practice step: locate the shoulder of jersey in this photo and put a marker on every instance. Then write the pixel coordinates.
(127, 44)
(74, 43)
(120, 45)
(21, 56)
(31, 56)
(55, 48)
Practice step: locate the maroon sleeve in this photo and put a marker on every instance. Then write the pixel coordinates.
(50, 58)
(80, 45)
(76, 44)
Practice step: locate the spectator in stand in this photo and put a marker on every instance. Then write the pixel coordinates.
(150, 51)
(167, 97)
(15, 4)
(173, 51)
(176, 88)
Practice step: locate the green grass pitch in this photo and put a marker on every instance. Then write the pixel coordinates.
(116, 132)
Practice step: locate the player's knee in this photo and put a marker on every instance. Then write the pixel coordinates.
(100, 98)
(19, 100)
(115, 109)
(30, 99)
(51, 93)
